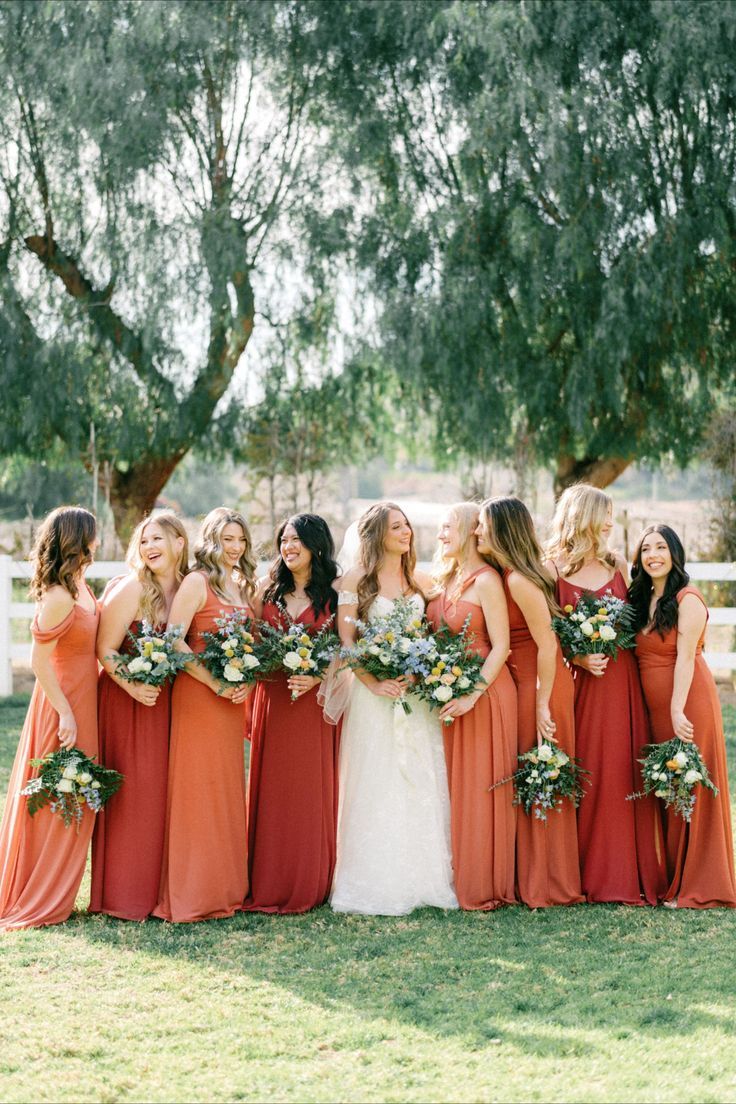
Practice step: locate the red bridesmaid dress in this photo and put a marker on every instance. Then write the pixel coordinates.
(204, 873)
(700, 864)
(41, 861)
(480, 749)
(547, 869)
(128, 842)
(621, 842)
(292, 792)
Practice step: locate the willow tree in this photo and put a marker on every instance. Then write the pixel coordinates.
(159, 165)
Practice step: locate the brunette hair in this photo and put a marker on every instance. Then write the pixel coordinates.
(208, 553)
(466, 515)
(666, 611)
(576, 528)
(372, 529)
(63, 548)
(314, 533)
(510, 532)
(153, 601)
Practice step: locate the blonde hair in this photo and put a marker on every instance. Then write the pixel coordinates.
(153, 599)
(509, 530)
(208, 553)
(63, 548)
(372, 529)
(466, 514)
(576, 529)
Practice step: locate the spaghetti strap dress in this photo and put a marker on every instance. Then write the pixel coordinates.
(700, 865)
(41, 861)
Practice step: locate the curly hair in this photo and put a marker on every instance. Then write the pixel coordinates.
(208, 553)
(509, 530)
(153, 600)
(372, 529)
(314, 533)
(576, 529)
(666, 611)
(63, 548)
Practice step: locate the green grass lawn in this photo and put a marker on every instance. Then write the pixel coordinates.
(591, 1003)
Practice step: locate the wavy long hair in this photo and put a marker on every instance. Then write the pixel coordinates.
(576, 529)
(153, 599)
(510, 532)
(372, 529)
(208, 553)
(466, 514)
(314, 533)
(640, 591)
(62, 549)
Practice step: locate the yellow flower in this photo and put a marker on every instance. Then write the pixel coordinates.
(416, 624)
(247, 648)
(247, 638)
(304, 639)
(457, 671)
(148, 648)
(305, 664)
(568, 609)
(603, 613)
(229, 652)
(436, 672)
(442, 665)
(303, 652)
(236, 663)
(390, 637)
(672, 764)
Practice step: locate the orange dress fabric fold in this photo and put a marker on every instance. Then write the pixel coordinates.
(204, 872)
(128, 841)
(292, 792)
(41, 861)
(547, 868)
(700, 865)
(621, 842)
(480, 749)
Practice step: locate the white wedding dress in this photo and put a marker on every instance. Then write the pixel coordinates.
(393, 828)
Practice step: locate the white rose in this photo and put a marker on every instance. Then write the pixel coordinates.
(70, 771)
(607, 632)
(562, 758)
(442, 693)
(249, 661)
(692, 776)
(65, 785)
(159, 657)
(463, 683)
(84, 778)
(545, 753)
(225, 645)
(136, 665)
(385, 658)
(232, 674)
(657, 776)
(374, 649)
(586, 628)
(680, 759)
(293, 661)
(404, 644)
(94, 785)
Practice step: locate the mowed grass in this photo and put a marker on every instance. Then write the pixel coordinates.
(590, 1003)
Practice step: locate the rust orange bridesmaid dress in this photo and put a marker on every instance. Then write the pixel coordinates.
(621, 842)
(480, 749)
(204, 873)
(292, 792)
(547, 869)
(700, 865)
(128, 841)
(41, 861)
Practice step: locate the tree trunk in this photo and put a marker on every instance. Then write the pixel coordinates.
(598, 470)
(133, 492)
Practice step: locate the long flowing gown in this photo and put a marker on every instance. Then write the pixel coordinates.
(128, 841)
(621, 843)
(700, 865)
(292, 791)
(480, 749)
(41, 861)
(547, 868)
(205, 872)
(393, 829)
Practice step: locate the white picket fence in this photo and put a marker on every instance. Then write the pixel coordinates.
(11, 611)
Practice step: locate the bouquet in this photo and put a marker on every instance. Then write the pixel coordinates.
(671, 771)
(392, 646)
(232, 654)
(597, 623)
(68, 780)
(155, 659)
(294, 650)
(453, 668)
(545, 777)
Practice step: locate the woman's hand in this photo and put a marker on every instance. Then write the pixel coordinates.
(302, 684)
(458, 706)
(595, 663)
(684, 728)
(546, 727)
(67, 729)
(390, 688)
(235, 694)
(141, 692)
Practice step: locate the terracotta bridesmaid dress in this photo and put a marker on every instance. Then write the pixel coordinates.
(128, 842)
(621, 842)
(292, 792)
(204, 873)
(480, 749)
(547, 869)
(41, 861)
(700, 865)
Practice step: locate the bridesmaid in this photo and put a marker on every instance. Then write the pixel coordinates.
(41, 861)
(204, 873)
(480, 744)
(292, 787)
(547, 870)
(683, 701)
(127, 847)
(621, 844)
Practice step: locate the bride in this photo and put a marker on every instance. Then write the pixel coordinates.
(393, 831)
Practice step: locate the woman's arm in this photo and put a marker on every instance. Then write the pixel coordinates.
(532, 603)
(55, 606)
(690, 624)
(489, 589)
(189, 600)
(119, 609)
(347, 614)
